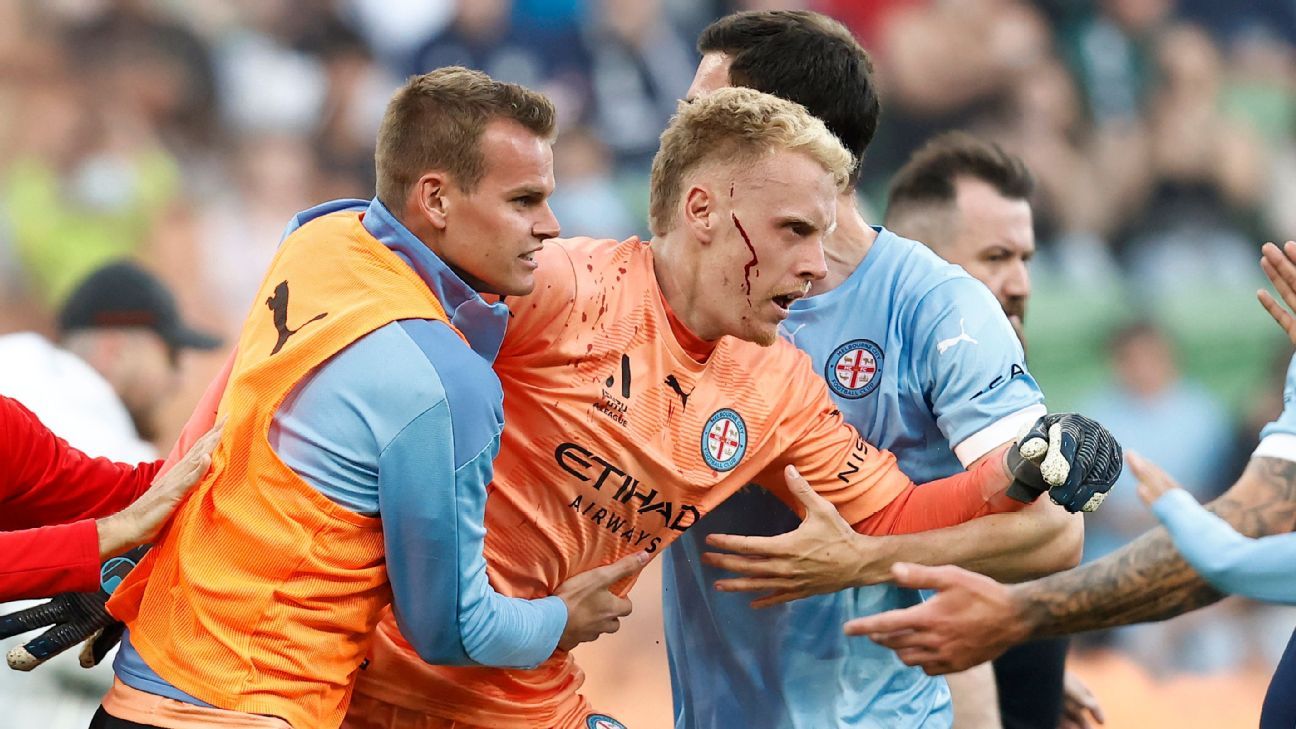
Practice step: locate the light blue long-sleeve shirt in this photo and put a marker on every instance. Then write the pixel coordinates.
(1262, 569)
(404, 424)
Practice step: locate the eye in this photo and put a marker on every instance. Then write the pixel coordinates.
(800, 229)
(526, 201)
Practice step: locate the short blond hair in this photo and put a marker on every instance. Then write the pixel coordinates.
(435, 122)
(736, 126)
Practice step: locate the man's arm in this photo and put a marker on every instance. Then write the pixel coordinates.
(1038, 540)
(973, 618)
(59, 491)
(1148, 579)
(1261, 569)
(47, 481)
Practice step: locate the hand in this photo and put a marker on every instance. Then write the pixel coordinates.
(592, 608)
(1077, 701)
(822, 555)
(73, 617)
(1153, 482)
(140, 522)
(1280, 266)
(1072, 457)
(971, 620)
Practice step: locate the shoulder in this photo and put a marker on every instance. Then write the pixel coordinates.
(782, 366)
(397, 373)
(601, 259)
(919, 282)
(913, 265)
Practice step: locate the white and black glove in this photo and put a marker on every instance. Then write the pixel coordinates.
(71, 618)
(1075, 459)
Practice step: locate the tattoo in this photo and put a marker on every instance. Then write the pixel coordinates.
(1147, 579)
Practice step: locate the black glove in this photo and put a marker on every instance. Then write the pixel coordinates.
(75, 617)
(1075, 459)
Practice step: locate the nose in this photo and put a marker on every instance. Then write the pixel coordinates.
(813, 266)
(1017, 282)
(547, 226)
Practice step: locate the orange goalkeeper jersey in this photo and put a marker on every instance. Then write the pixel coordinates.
(618, 441)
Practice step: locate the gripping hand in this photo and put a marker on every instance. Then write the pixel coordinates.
(1075, 459)
(71, 618)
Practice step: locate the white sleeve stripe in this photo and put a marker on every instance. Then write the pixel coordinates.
(1277, 445)
(997, 433)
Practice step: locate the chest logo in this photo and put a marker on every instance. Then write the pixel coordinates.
(724, 440)
(278, 305)
(602, 721)
(853, 370)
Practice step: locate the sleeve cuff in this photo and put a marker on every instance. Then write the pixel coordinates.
(1277, 445)
(1001, 431)
(553, 617)
(1174, 506)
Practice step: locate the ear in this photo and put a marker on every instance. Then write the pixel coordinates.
(700, 213)
(428, 200)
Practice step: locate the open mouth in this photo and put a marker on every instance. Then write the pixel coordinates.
(784, 301)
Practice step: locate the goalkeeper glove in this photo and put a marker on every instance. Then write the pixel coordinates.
(1075, 459)
(73, 617)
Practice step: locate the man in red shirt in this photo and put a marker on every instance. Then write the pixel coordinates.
(74, 512)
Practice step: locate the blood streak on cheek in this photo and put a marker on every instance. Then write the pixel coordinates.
(754, 260)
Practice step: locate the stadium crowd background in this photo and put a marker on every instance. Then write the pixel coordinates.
(184, 135)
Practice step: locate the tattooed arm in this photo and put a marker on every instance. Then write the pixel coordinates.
(1147, 579)
(974, 618)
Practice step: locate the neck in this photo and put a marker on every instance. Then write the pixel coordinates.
(429, 236)
(678, 277)
(846, 246)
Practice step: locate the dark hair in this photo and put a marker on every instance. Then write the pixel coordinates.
(436, 120)
(929, 176)
(807, 58)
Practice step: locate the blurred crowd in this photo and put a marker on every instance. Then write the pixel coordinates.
(184, 135)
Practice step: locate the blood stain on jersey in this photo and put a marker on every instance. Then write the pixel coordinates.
(724, 440)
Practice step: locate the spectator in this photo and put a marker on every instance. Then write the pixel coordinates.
(640, 66)
(117, 360)
(1153, 410)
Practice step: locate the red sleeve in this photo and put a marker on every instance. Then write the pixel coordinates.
(947, 501)
(47, 482)
(46, 561)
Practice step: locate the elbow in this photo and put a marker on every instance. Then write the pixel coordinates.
(439, 650)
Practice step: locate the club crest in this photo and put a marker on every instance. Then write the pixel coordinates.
(853, 370)
(724, 440)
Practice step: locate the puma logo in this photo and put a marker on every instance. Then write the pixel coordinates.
(674, 384)
(790, 334)
(278, 304)
(945, 344)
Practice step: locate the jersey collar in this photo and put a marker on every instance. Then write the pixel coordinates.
(482, 324)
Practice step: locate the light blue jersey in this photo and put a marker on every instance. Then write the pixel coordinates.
(918, 356)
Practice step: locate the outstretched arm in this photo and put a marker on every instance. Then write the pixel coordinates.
(1262, 569)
